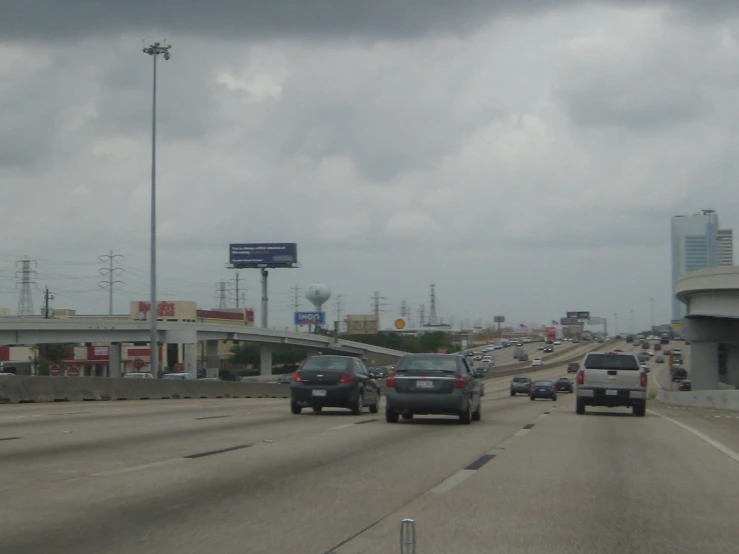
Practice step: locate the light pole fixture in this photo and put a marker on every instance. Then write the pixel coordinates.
(154, 51)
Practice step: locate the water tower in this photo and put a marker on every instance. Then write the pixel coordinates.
(317, 294)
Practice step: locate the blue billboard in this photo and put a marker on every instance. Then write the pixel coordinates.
(270, 254)
(310, 318)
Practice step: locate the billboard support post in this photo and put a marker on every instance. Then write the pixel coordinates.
(263, 256)
(265, 297)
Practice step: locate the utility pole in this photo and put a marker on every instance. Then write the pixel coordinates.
(433, 316)
(154, 51)
(615, 326)
(422, 315)
(25, 276)
(221, 294)
(48, 297)
(339, 301)
(109, 273)
(295, 301)
(237, 290)
(651, 315)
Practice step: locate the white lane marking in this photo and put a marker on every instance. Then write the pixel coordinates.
(139, 468)
(495, 451)
(340, 426)
(171, 421)
(705, 438)
(521, 432)
(543, 415)
(21, 416)
(450, 482)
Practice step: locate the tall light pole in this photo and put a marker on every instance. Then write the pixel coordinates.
(651, 314)
(154, 51)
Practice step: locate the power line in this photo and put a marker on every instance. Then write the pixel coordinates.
(26, 275)
(109, 272)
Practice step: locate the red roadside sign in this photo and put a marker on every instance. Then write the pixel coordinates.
(179, 368)
(55, 371)
(138, 363)
(73, 372)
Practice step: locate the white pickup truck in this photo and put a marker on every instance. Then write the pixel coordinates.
(612, 379)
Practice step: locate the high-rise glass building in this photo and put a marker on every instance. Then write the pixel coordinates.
(695, 246)
(725, 240)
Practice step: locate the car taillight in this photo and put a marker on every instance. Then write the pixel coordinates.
(296, 378)
(459, 382)
(345, 378)
(581, 377)
(390, 379)
(643, 379)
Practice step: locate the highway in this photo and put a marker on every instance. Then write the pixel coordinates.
(246, 476)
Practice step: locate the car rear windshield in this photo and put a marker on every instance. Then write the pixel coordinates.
(611, 361)
(520, 379)
(428, 363)
(543, 383)
(327, 363)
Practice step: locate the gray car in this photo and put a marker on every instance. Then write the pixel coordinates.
(520, 385)
(441, 384)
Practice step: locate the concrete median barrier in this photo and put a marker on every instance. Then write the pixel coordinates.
(14, 390)
(715, 399)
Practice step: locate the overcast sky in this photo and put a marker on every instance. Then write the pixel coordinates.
(526, 160)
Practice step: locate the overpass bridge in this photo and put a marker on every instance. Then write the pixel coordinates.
(28, 331)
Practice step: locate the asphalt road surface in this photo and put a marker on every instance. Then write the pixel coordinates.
(246, 476)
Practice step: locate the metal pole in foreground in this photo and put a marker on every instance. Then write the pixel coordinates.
(154, 50)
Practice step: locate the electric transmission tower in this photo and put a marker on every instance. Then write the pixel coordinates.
(109, 272)
(221, 295)
(25, 275)
(433, 317)
(377, 306)
(237, 292)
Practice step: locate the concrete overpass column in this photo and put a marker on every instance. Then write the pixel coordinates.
(265, 359)
(703, 368)
(114, 360)
(212, 363)
(190, 355)
(732, 364)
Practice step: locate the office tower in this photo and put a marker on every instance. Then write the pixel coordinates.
(694, 246)
(725, 247)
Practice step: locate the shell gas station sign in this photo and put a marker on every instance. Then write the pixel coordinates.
(400, 324)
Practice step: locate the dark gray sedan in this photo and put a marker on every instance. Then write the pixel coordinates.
(520, 385)
(333, 382)
(434, 384)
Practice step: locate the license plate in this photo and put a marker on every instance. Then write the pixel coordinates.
(424, 384)
(319, 392)
(612, 393)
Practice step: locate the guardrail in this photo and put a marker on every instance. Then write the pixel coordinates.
(14, 390)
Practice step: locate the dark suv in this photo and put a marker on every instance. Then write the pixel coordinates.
(333, 382)
(572, 367)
